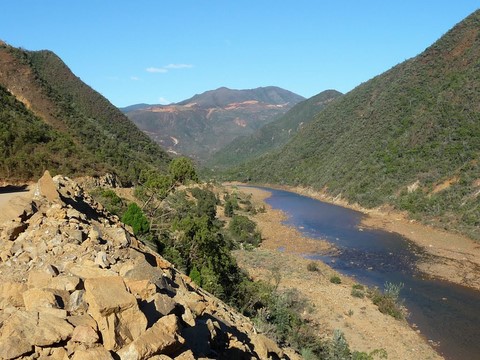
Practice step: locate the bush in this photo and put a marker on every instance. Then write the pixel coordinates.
(335, 279)
(312, 266)
(244, 230)
(358, 290)
(136, 219)
(388, 301)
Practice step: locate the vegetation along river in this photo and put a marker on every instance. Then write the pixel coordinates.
(447, 314)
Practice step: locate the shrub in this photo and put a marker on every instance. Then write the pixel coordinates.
(358, 290)
(244, 230)
(388, 301)
(136, 219)
(312, 266)
(335, 279)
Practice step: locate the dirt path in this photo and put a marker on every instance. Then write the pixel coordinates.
(10, 201)
(365, 328)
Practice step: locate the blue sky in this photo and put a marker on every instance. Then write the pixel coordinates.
(166, 51)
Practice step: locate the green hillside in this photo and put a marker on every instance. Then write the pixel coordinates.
(272, 135)
(29, 146)
(417, 124)
(99, 132)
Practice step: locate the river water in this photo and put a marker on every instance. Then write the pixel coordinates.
(446, 314)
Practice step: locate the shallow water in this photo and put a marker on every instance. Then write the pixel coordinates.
(445, 313)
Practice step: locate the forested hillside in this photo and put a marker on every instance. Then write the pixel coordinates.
(272, 135)
(409, 138)
(97, 135)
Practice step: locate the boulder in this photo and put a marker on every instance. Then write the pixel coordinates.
(12, 229)
(11, 294)
(38, 279)
(85, 334)
(264, 346)
(163, 303)
(115, 310)
(97, 353)
(38, 329)
(12, 347)
(46, 189)
(35, 299)
(142, 289)
(161, 338)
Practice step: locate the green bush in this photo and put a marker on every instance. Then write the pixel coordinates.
(335, 279)
(244, 230)
(388, 301)
(136, 219)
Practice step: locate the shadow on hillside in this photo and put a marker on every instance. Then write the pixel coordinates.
(13, 188)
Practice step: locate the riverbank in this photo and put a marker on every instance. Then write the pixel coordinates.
(451, 257)
(365, 328)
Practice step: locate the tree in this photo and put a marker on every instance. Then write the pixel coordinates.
(182, 169)
(136, 219)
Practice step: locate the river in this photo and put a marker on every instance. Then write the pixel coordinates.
(448, 315)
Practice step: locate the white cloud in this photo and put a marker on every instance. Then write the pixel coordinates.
(163, 101)
(168, 67)
(178, 66)
(134, 78)
(156, 70)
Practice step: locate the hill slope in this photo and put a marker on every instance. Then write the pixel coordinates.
(129, 303)
(206, 122)
(272, 135)
(103, 137)
(409, 137)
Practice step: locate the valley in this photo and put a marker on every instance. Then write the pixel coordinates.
(362, 244)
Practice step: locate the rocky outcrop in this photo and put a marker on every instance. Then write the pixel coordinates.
(76, 284)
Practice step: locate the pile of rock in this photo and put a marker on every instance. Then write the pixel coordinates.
(76, 284)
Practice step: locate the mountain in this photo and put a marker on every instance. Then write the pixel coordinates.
(206, 122)
(55, 121)
(272, 135)
(409, 138)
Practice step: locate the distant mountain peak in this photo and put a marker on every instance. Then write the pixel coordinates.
(208, 121)
(223, 96)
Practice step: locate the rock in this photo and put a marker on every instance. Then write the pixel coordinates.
(39, 279)
(162, 338)
(77, 301)
(12, 347)
(38, 329)
(52, 270)
(85, 334)
(101, 259)
(97, 353)
(163, 303)
(11, 294)
(142, 289)
(118, 236)
(46, 189)
(89, 272)
(115, 310)
(264, 346)
(64, 282)
(12, 229)
(35, 299)
(186, 355)
(83, 320)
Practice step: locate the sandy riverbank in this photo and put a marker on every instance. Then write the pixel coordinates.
(365, 328)
(451, 257)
